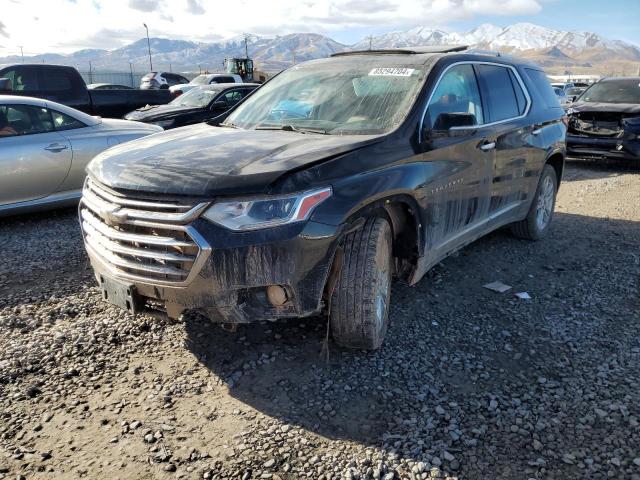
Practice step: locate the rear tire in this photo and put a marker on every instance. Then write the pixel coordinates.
(359, 313)
(537, 222)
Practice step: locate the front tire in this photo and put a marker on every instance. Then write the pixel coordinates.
(359, 313)
(537, 222)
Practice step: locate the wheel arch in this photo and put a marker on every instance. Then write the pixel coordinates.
(556, 160)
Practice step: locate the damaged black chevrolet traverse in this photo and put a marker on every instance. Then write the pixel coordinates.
(332, 178)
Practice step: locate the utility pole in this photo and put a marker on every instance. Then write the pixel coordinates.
(246, 46)
(21, 54)
(293, 54)
(90, 73)
(148, 47)
(370, 37)
(131, 70)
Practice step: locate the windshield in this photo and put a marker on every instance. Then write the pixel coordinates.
(344, 96)
(200, 80)
(196, 97)
(614, 91)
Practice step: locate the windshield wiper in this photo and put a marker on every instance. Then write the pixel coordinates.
(291, 128)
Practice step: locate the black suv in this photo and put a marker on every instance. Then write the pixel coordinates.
(322, 185)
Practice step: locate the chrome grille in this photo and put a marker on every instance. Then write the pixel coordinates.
(142, 237)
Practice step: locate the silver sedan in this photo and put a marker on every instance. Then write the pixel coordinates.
(45, 147)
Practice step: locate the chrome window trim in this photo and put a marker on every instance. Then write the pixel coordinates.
(477, 62)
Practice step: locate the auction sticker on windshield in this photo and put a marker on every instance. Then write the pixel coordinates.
(392, 72)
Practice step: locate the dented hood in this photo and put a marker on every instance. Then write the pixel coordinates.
(208, 161)
(627, 108)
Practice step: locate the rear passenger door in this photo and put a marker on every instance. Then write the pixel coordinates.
(460, 146)
(506, 103)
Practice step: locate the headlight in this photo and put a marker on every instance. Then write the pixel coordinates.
(164, 123)
(264, 212)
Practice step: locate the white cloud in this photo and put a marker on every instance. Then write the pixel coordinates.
(67, 25)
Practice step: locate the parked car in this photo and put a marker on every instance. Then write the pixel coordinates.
(605, 121)
(45, 148)
(65, 85)
(562, 96)
(575, 92)
(200, 104)
(205, 79)
(161, 80)
(563, 85)
(107, 86)
(398, 159)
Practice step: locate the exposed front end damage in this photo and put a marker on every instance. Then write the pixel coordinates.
(171, 261)
(596, 134)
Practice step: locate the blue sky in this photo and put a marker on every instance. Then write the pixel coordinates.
(63, 26)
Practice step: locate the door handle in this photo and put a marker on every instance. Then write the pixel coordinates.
(485, 147)
(56, 147)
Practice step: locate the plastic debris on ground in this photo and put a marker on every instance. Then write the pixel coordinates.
(523, 296)
(497, 287)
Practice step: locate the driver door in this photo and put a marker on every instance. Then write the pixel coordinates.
(34, 159)
(461, 150)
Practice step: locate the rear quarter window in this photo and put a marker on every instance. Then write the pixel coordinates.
(498, 92)
(542, 86)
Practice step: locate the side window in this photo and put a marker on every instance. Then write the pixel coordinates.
(543, 87)
(456, 100)
(520, 97)
(24, 120)
(63, 121)
(11, 75)
(498, 92)
(56, 80)
(23, 79)
(232, 97)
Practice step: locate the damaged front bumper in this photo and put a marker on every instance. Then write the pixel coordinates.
(619, 140)
(144, 262)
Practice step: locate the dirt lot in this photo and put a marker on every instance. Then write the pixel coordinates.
(470, 384)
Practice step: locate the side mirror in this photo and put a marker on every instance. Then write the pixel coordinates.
(446, 121)
(5, 85)
(218, 104)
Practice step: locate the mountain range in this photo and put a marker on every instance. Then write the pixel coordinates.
(556, 50)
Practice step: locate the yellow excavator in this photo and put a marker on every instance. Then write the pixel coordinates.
(244, 68)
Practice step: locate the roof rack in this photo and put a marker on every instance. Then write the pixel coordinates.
(492, 53)
(405, 51)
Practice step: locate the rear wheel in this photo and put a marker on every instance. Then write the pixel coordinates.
(536, 225)
(360, 303)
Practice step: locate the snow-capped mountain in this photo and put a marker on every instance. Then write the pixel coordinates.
(551, 48)
(517, 37)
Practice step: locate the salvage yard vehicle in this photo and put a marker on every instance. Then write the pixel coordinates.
(204, 79)
(161, 80)
(203, 103)
(65, 85)
(45, 148)
(604, 122)
(333, 177)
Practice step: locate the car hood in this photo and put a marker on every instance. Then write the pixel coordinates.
(157, 112)
(127, 126)
(203, 160)
(627, 108)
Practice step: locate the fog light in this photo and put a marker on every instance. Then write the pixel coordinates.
(276, 295)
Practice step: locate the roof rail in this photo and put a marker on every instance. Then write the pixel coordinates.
(405, 51)
(478, 51)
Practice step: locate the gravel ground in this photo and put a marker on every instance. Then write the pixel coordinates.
(470, 384)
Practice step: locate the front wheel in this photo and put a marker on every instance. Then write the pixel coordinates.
(359, 313)
(536, 224)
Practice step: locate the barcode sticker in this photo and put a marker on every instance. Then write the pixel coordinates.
(392, 72)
